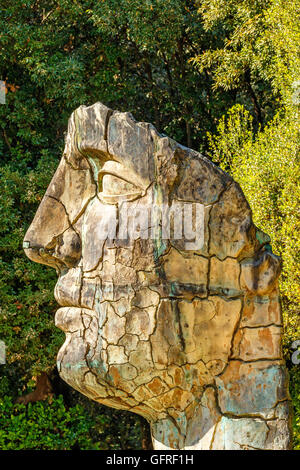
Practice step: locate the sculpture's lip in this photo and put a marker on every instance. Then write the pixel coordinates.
(68, 318)
(67, 288)
(74, 307)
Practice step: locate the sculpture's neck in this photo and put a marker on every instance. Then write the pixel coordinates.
(168, 435)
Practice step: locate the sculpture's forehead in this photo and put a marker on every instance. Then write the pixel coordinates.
(101, 134)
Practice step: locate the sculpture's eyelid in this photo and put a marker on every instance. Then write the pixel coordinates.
(121, 179)
(123, 173)
(116, 189)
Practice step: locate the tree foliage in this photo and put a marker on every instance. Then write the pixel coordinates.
(265, 161)
(267, 168)
(44, 426)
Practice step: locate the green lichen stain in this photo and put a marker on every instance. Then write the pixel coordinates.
(243, 432)
(173, 289)
(187, 376)
(98, 366)
(181, 420)
(84, 225)
(268, 247)
(160, 245)
(262, 237)
(95, 169)
(259, 299)
(160, 248)
(76, 367)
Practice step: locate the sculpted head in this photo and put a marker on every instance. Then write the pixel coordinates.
(157, 257)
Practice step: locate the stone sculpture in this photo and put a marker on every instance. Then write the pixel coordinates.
(186, 333)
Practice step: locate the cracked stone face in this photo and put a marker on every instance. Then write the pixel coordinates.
(168, 291)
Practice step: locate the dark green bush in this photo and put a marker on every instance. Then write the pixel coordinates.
(45, 425)
(295, 395)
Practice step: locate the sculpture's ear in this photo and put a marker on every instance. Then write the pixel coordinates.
(260, 273)
(64, 202)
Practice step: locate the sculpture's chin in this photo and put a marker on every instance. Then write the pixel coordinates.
(76, 358)
(71, 362)
(82, 362)
(86, 370)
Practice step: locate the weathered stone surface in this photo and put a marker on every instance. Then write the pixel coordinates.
(261, 310)
(224, 277)
(251, 388)
(124, 256)
(95, 387)
(94, 234)
(88, 291)
(123, 305)
(231, 228)
(61, 250)
(69, 319)
(145, 298)
(71, 361)
(87, 131)
(130, 342)
(116, 355)
(73, 188)
(279, 437)
(186, 274)
(252, 344)
(49, 222)
(115, 188)
(201, 180)
(202, 428)
(185, 334)
(141, 357)
(121, 276)
(114, 327)
(141, 322)
(200, 226)
(167, 333)
(177, 398)
(240, 434)
(130, 143)
(207, 328)
(128, 372)
(166, 435)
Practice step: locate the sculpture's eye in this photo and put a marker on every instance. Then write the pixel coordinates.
(119, 183)
(114, 188)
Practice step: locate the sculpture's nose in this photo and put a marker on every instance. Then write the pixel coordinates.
(52, 237)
